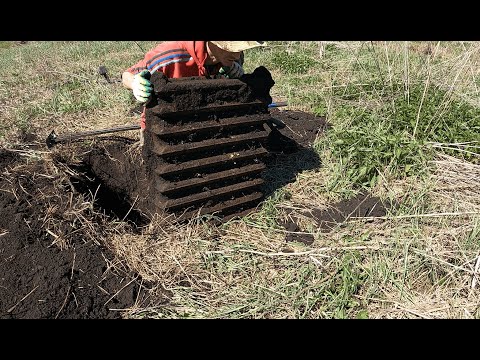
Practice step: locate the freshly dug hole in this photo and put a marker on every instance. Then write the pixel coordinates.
(54, 262)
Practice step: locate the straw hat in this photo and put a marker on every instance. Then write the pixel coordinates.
(237, 46)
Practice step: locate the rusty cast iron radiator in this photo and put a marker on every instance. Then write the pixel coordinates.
(204, 143)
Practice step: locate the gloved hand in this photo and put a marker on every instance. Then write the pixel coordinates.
(232, 72)
(141, 86)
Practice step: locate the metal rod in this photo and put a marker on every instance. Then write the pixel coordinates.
(53, 139)
(96, 132)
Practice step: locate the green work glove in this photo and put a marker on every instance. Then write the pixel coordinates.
(141, 86)
(232, 72)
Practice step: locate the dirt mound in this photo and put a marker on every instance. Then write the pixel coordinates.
(301, 127)
(39, 281)
(41, 213)
(362, 205)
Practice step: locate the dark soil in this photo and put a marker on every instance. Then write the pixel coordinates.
(301, 127)
(290, 147)
(38, 279)
(362, 205)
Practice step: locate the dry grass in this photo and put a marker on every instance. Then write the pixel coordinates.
(41, 180)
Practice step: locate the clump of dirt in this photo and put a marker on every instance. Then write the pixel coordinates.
(172, 97)
(296, 234)
(362, 205)
(301, 129)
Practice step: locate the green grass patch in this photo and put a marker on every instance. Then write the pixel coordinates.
(292, 63)
(6, 44)
(386, 129)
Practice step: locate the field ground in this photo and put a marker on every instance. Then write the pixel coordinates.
(375, 215)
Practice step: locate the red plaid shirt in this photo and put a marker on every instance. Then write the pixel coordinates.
(175, 59)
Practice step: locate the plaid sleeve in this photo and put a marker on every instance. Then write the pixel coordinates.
(138, 67)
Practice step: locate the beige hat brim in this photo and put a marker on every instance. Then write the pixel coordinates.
(237, 46)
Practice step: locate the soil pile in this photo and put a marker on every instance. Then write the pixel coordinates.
(41, 213)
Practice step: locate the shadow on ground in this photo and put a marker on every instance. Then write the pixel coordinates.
(291, 152)
(290, 148)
